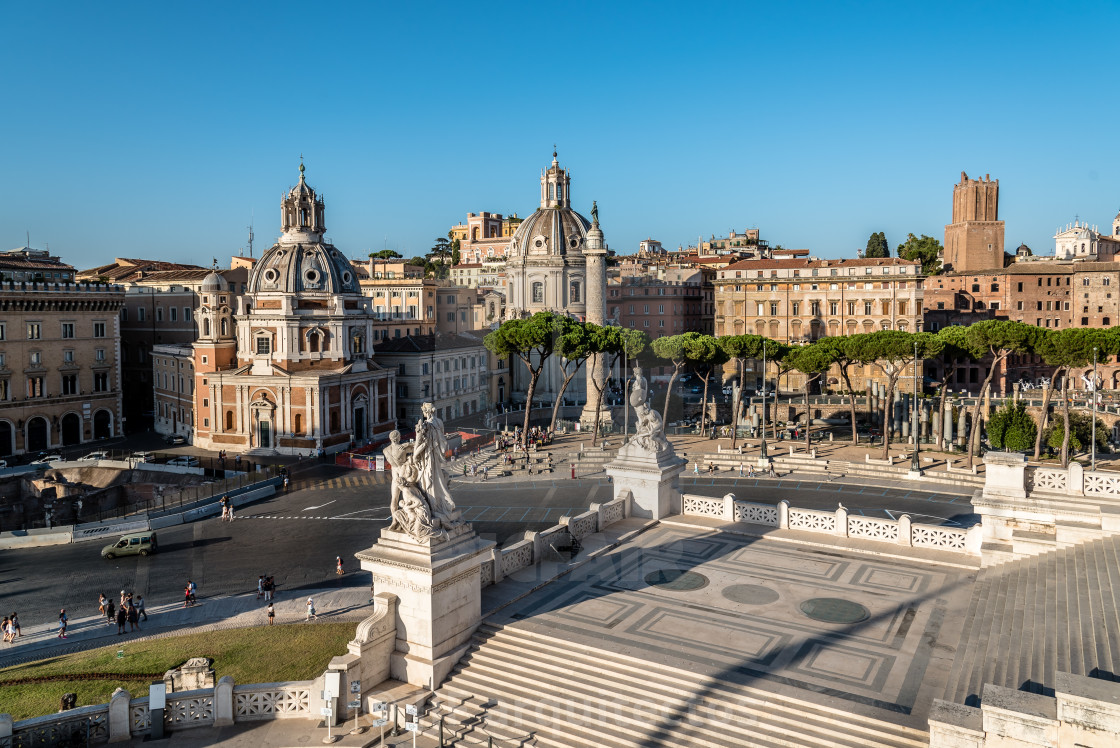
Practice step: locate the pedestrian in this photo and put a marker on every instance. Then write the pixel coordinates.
(485, 472)
(269, 587)
(338, 565)
(773, 472)
(122, 618)
(62, 619)
(271, 613)
(101, 600)
(6, 627)
(15, 624)
(140, 607)
(186, 596)
(750, 471)
(231, 511)
(192, 588)
(311, 610)
(133, 618)
(124, 599)
(287, 482)
(260, 586)
(110, 613)
(696, 468)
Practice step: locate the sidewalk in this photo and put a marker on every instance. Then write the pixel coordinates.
(209, 614)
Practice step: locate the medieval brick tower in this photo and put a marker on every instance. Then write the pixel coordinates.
(974, 240)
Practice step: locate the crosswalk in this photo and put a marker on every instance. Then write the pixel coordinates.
(347, 481)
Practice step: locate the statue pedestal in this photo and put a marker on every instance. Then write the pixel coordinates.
(652, 478)
(440, 599)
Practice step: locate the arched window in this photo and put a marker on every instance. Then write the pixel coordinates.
(559, 192)
(298, 425)
(574, 292)
(313, 342)
(206, 327)
(538, 292)
(229, 420)
(225, 326)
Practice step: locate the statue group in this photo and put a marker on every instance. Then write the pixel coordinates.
(649, 434)
(421, 503)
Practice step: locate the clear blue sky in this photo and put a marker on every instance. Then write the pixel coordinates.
(158, 129)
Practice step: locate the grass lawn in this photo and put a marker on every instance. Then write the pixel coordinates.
(251, 655)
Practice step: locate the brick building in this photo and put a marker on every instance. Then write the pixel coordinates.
(658, 307)
(448, 370)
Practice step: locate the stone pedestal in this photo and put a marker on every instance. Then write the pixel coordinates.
(439, 598)
(651, 478)
(1005, 475)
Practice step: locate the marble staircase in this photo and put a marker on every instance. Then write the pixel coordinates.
(1047, 613)
(521, 687)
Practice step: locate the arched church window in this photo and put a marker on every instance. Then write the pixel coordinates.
(302, 216)
(538, 292)
(313, 342)
(225, 327)
(559, 192)
(551, 192)
(206, 327)
(573, 292)
(229, 420)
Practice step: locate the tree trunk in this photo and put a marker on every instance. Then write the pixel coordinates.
(1065, 419)
(941, 408)
(704, 404)
(888, 404)
(974, 434)
(534, 376)
(851, 402)
(669, 393)
(1044, 417)
(560, 398)
(737, 406)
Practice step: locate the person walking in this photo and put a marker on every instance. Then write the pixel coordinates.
(271, 613)
(15, 624)
(133, 618)
(269, 586)
(122, 619)
(231, 511)
(6, 627)
(101, 600)
(311, 610)
(286, 483)
(260, 586)
(338, 565)
(110, 613)
(773, 472)
(62, 620)
(192, 588)
(140, 608)
(186, 596)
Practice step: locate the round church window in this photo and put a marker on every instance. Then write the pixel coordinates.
(312, 276)
(346, 277)
(270, 275)
(573, 242)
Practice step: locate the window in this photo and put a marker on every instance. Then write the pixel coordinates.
(1084, 321)
(36, 358)
(140, 313)
(34, 331)
(99, 354)
(264, 345)
(100, 381)
(67, 329)
(867, 307)
(574, 292)
(815, 308)
(1019, 304)
(3, 331)
(660, 308)
(173, 313)
(851, 307)
(98, 329)
(1105, 321)
(186, 314)
(645, 309)
(796, 308)
(761, 311)
(1084, 282)
(159, 314)
(34, 386)
(645, 323)
(423, 368)
(5, 389)
(400, 370)
(993, 305)
(70, 384)
(451, 316)
(1106, 281)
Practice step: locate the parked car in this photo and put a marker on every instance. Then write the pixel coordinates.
(3, 464)
(47, 460)
(143, 456)
(94, 457)
(175, 439)
(184, 461)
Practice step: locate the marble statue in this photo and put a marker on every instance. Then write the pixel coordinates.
(649, 435)
(420, 500)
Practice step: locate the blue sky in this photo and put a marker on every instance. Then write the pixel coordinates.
(158, 130)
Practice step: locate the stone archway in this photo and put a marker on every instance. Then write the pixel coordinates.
(102, 424)
(38, 435)
(71, 430)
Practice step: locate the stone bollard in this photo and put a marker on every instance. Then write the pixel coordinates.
(120, 723)
(904, 530)
(783, 515)
(496, 556)
(729, 507)
(973, 540)
(1076, 483)
(223, 702)
(841, 522)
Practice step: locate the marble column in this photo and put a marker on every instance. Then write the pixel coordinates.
(947, 423)
(907, 416)
(595, 290)
(962, 426)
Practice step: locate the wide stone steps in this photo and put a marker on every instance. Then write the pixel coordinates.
(1053, 612)
(566, 694)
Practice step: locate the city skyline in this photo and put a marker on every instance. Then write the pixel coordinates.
(159, 134)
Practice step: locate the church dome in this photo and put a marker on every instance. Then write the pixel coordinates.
(303, 268)
(213, 283)
(554, 229)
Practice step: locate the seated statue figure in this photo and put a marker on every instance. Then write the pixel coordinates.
(649, 434)
(413, 512)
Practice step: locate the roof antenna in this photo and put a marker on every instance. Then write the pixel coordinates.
(251, 218)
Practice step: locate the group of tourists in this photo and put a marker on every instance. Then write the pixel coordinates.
(127, 613)
(227, 509)
(266, 585)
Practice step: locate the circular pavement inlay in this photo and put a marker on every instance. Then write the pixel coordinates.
(676, 580)
(750, 594)
(834, 610)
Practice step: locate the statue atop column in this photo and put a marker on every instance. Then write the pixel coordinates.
(420, 499)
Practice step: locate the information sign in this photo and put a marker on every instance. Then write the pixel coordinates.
(355, 686)
(326, 711)
(410, 709)
(412, 726)
(356, 704)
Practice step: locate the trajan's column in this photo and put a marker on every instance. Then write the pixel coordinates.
(595, 252)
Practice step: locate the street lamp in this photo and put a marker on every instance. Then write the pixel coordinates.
(762, 457)
(915, 464)
(1093, 394)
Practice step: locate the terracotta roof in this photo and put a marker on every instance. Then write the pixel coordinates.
(798, 263)
(427, 343)
(22, 264)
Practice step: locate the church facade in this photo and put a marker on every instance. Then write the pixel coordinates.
(289, 369)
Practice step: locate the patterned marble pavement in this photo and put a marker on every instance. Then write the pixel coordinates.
(745, 610)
